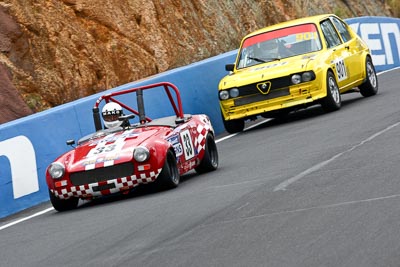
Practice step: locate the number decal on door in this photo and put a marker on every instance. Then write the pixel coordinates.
(341, 70)
(187, 143)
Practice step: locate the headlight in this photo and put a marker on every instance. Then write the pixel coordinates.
(296, 78)
(308, 76)
(56, 170)
(234, 92)
(141, 154)
(223, 95)
(303, 77)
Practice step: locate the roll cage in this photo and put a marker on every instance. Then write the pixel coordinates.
(140, 112)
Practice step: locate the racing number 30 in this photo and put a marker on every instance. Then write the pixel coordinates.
(187, 144)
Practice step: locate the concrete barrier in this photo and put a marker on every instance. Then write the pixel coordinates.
(30, 144)
(382, 34)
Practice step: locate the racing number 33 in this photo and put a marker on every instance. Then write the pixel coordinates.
(187, 144)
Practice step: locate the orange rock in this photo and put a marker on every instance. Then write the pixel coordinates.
(58, 51)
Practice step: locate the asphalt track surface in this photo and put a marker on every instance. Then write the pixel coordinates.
(322, 189)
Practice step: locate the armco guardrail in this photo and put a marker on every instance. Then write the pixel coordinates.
(29, 144)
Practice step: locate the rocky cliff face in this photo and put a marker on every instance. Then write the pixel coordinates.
(56, 51)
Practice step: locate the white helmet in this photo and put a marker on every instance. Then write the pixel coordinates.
(111, 112)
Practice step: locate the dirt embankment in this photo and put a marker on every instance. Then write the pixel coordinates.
(56, 51)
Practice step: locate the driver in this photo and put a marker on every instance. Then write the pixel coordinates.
(269, 49)
(111, 112)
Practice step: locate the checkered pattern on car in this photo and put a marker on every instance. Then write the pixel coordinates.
(121, 184)
(202, 128)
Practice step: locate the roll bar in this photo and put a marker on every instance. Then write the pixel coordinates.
(168, 88)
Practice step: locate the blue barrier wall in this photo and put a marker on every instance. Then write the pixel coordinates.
(45, 133)
(382, 35)
(30, 144)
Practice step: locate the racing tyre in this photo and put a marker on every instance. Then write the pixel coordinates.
(169, 176)
(63, 204)
(333, 100)
(370, 86)
(233, 126)
(210, 158)
(281, 115)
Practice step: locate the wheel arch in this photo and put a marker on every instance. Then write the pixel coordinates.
(158, 151)
(324, 74)
(367, 56)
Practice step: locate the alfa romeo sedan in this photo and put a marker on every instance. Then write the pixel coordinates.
(293, 65)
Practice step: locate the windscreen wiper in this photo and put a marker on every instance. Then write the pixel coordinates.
(263, 60)
(273, 58)
(257, 59)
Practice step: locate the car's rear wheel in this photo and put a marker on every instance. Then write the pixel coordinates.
(169, 176)
(370, 86)
(333, 100)
(63, 204)
(210, 158)
(233, 126)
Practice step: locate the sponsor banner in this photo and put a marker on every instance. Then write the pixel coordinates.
(382, 35)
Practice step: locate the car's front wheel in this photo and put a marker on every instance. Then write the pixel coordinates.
(169, 176)
(63, 204)
(370, 86)
(333, 100)
(210, 158)
(233, 126)
(281, 115)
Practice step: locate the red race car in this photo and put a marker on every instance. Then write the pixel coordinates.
(120, 155)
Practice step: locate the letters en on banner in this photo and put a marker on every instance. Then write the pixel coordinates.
(383, 38)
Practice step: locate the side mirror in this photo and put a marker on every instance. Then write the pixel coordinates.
(126, 117)
(125, 120)
(229, 67)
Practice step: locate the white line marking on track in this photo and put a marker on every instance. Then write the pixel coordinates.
(25, 218)
(217, 141)
(50, 209)
(248, 128)
(389, 70)
(282, 186)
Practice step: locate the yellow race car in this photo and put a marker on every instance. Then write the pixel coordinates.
(293, 65)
